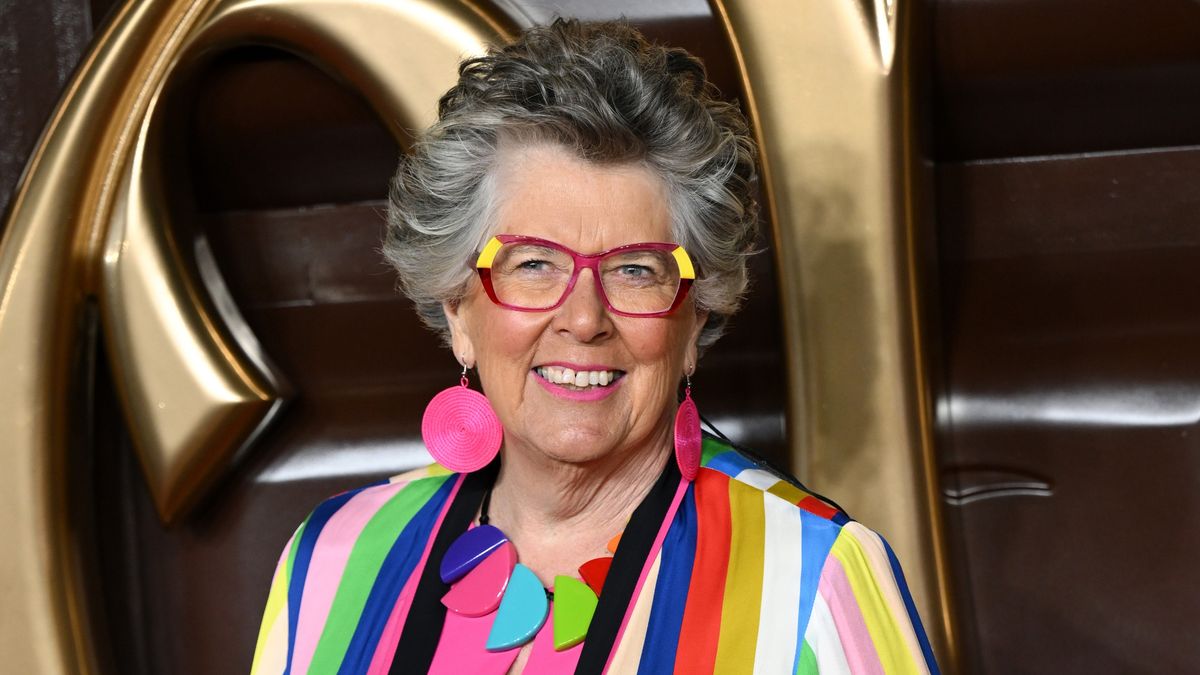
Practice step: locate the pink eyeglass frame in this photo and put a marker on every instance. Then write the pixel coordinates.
(483, 265)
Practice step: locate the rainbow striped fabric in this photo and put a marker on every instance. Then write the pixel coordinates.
(752, 576)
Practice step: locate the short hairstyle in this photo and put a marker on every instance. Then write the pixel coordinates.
(605, 93)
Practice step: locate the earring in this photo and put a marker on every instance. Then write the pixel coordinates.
(688, 439)
(460, 428)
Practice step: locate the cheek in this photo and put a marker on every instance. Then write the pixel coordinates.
(505, 332)
(659, 345)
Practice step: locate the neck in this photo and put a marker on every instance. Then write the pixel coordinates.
(560, 514)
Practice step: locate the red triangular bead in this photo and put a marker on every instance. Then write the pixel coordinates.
(594, 572)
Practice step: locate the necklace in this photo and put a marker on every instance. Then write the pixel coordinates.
(481, 566)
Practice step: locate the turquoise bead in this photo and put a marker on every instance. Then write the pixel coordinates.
(522, 611)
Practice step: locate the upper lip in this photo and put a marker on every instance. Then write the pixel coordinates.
(577, 366)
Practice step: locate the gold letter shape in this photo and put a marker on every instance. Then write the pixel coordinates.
(89, 221)
(829, 86)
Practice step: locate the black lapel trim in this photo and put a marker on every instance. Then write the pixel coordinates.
(423, 627)
(632, 552)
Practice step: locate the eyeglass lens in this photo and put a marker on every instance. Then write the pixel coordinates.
(637, 281)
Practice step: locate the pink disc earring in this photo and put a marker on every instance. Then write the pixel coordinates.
(688, 439)
(460, 428)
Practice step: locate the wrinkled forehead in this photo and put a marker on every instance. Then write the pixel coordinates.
(543, 190)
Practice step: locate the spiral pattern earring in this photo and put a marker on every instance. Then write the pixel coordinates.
(688, 439)
(460, 428)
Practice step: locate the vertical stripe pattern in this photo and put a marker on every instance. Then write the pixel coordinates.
(700, 633)
(670, 593)
(743, 581)
(775, 649)
(755, 575)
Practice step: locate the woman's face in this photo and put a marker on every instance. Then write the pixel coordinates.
(545, 192)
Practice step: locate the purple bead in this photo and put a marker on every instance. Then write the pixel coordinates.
(469, 550)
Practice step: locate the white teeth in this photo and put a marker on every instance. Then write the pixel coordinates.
(580, 379)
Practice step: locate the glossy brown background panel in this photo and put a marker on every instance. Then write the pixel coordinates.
(1070, 405)
(1074, 379)
(1038, 77)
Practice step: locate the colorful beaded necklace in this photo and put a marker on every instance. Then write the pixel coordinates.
(481, 566)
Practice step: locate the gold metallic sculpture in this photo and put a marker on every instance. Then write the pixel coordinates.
(827, 83)
(829, 88)
(89, 220)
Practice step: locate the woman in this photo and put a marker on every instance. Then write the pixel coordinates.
(576, 225)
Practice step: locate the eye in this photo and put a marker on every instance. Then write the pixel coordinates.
(531, 261)
(534, 265)
(635, 271)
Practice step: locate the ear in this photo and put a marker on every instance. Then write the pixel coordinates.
(460, 337)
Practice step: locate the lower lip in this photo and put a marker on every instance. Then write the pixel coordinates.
(590, 394)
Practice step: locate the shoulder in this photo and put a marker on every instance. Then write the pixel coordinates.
(766, 498)
(410, 487)
(750, 472)
(809, 553)
(326, 576)
(381, 510)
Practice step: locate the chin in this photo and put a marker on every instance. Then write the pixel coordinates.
(574, 458)
(578, 447)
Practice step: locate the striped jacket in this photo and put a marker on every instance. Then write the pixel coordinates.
(748, 574)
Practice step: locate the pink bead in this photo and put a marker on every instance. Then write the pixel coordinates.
(479, 592)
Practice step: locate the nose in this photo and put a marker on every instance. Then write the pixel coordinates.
(583, 315)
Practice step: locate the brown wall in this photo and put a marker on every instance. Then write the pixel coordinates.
(1067, 180)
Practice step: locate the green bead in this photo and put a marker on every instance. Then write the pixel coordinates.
(574, 605)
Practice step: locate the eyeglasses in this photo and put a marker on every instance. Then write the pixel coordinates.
(529, 274)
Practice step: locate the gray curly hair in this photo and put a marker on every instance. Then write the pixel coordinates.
(605, 93)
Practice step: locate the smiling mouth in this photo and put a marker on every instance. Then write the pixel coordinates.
(578, 380)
